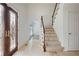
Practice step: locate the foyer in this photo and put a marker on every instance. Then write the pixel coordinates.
(41, 29)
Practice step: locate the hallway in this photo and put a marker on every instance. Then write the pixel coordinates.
(32, 50)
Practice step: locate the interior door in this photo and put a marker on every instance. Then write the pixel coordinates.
(73, 28)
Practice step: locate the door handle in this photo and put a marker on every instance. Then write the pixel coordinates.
(69, 33)
(7, 33)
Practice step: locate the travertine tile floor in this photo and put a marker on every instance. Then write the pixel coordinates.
(33, 49)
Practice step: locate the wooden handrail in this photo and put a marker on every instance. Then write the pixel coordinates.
(54, 12)
(42, 23)
(44, 46)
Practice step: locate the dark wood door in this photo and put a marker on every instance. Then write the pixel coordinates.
(12, 31)
(10, 40)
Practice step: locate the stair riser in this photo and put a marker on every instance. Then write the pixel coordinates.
(49, 32)
(48, 35)
(54, 50)
(53, 45)
(51, 39)
(49, 29)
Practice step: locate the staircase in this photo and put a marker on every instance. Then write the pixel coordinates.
(51, 41)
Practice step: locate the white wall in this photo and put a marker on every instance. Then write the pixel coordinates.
(38, 10)
(36, 27)
(58, 24)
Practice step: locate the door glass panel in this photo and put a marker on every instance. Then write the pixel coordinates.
(12, 31)
(1, 29)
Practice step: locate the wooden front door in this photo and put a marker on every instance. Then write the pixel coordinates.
(10, 31)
